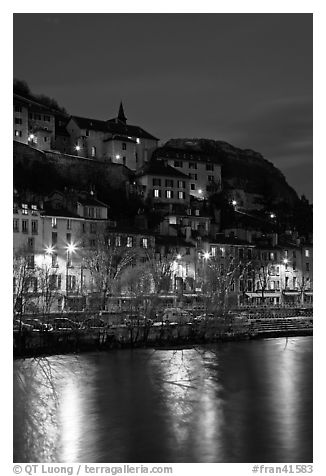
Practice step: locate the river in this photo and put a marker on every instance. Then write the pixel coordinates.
(233, 402)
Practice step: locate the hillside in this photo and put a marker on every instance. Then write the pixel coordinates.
(242, 169)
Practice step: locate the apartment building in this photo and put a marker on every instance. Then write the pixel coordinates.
(33, 123)
(203, 172)
(164, 186)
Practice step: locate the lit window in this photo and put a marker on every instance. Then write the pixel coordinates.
(93, 151)
(181, 184)
(156, 193)
(168, 194)
(34, 209)
(213, 251)
(24, 209)
(144, 242)
(54, 222)
(18, 133)
(129, 241)
(306, 253)
(118, 241)
(181, 195)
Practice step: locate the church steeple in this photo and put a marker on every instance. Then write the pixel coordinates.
(121, 115)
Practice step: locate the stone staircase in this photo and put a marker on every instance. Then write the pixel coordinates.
(283, 326)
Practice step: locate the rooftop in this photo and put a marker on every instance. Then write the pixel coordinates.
(159, 168)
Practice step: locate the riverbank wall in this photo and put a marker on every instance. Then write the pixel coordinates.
(156, 336)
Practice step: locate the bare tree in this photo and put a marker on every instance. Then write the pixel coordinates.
(105, 263)
(263, 273)
(25, 283)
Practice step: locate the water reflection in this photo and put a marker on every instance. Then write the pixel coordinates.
(235, 402)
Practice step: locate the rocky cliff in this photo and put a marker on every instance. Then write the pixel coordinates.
(242, 169)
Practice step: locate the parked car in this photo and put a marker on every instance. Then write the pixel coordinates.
(21, 325)
(176, 315)
(64, 324)
(204, 317)
(38, 325)
(93, 323)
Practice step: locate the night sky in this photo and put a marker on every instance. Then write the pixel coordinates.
(241, 78)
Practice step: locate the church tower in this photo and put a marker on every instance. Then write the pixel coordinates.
(121, 116)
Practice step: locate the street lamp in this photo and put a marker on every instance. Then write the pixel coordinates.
(206, 255)
(234, 203)
(71, 248)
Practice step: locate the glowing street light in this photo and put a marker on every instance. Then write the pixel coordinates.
(71, 248)
(49, 250)
(272, 215)
(117, 156)
(206, 255)
(77, 148)
(285, 261)
(200, 191)
(178, 256)
(234, 203)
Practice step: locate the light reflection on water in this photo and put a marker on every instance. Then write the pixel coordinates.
(232, 402)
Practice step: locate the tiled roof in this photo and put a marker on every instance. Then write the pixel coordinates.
(181, 154)
(118, 127)
(112, 126)
(91, 124)
(91, 201)
(120, 138)
(60, 212)
(158, 168)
